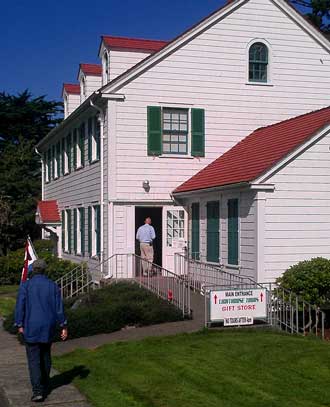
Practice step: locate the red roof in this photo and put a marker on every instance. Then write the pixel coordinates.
(91, 69)
(258, 152)
(48, 211)
(138, 44)
(70, 88)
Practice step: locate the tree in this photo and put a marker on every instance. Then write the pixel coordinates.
(319, 12)
(23, 122)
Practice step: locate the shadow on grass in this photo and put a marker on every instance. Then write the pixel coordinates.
(65, 378)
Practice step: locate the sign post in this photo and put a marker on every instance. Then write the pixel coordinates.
(236, 307)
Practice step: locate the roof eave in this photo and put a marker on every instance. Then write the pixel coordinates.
(184, 194)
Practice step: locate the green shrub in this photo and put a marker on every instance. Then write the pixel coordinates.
(310, 279)
(12, 264)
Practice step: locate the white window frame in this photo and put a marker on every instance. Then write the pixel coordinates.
(83, 90)
(95, 123)
(66, 155)
(94, 233)
(66, 235)
(55, 163)
(269, 66)
(78, 149)
(46, 166)
(106, 67)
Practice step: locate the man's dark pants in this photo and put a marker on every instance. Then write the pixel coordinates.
(39, 361)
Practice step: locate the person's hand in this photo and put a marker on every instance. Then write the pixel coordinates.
(21, 330)
(64, 334)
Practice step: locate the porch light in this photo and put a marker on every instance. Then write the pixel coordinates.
(146, 185)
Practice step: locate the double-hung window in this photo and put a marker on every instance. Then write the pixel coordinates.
(68, 231)
(79, 231)
(174, 131)
(94, 230)
(94, 131)
(258, 62)
(67, 154)
(58, 160)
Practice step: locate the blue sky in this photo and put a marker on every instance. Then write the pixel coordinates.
(43, 42)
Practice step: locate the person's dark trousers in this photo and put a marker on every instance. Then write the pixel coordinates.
(39, 361)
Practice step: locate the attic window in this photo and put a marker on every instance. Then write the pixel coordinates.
(258, 62)
(106, 68)
(83, 88)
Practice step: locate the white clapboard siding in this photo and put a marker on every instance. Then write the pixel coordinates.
(121, 61)
(93, 83)
(210, 72)
(73, 101)
(297, 219)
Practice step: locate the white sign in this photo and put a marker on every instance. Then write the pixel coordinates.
(238, 303)
(238, 321)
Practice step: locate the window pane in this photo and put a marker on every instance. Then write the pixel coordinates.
(174, 148)
(166, 137)
(182, 148)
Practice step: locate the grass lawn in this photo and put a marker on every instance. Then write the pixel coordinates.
(7, 305)
(10, 290)
(250, 368)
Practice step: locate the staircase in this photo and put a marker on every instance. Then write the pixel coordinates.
(285, 311)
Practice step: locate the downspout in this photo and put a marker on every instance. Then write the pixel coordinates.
(101, 120)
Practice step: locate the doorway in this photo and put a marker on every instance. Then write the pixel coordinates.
(156, 215)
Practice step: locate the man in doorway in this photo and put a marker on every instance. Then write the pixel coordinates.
(146, 235)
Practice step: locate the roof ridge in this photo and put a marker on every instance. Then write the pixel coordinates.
(291, 119)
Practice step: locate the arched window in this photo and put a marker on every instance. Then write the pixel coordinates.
(106, 68)
(258, 62)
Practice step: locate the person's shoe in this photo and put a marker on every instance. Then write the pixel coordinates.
(37, 398)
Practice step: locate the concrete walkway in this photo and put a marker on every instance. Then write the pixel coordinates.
(15, 389)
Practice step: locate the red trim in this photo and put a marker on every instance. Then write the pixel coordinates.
(71, 89)
(258, 152)
(133, 44)
(91, 69)
(48, 211)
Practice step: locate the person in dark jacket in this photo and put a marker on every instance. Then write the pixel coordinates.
(39, 309)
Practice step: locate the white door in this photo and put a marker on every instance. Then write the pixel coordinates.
(175, 220)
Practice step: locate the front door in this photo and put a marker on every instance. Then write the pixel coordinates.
(175, 234)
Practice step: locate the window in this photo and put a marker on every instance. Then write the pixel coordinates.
(79, 231)
(233, 231)
(66, 107)
(169, 131)
(83, 90)
(212, 231)
(67, 234)
(94, 230)
(94, 130)
(67, 154)
(106, 68)
(47, 166)
(63, 231)
(175, 131)
(195, 231)
(258, 62)
(58, 160)
(79, 147)
(175, 226)
(54, 164)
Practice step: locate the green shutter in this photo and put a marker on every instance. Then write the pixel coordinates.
(98, 229)
(97, 137)
(63, 156)
(198, 132)
(212, 231)
(69, 152)
(195, 231)
(82, 143)
(68, 214)
(90, 230)
(53, 162)
(82, 230)
(75, 143)
(58, 158)
(154, 130)
(49, 163)
(63, 231)
(233, 231)
(75, 230)
(90, 135)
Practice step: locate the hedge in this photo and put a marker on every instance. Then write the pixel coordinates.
(113, 308)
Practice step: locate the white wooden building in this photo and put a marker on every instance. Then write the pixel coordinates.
(155, 113)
